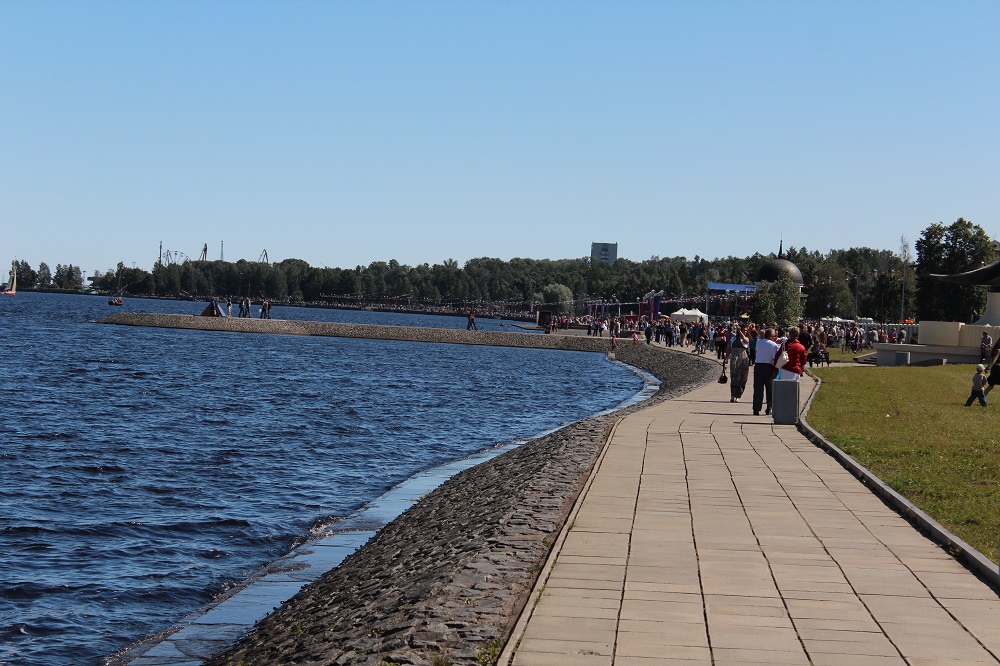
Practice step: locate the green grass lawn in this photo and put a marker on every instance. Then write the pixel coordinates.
(908, 426)
(836, 355)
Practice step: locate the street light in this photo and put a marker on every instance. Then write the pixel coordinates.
(881, 292)
(902, 296)
(856, 279)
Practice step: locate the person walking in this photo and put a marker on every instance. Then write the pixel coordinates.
(978, 387)
(739, 364)
(763, 372)
(797, 357)
(720, 341)
(993, 368)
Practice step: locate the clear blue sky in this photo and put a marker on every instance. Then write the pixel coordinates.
(343, 133)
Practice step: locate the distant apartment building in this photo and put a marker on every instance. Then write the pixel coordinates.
(604, 252)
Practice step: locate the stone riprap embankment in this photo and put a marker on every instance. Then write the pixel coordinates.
(445, 582)
(369, 331)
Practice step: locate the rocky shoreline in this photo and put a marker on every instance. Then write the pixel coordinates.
(445, 582)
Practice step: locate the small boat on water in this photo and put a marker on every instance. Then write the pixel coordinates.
(12, 284)
(117, 298)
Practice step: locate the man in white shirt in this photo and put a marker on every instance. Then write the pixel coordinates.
(763, 371)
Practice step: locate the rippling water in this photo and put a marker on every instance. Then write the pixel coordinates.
(144, 471)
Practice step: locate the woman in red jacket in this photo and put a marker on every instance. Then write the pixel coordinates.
(796, 357)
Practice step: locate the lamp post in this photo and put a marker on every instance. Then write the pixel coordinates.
(856, 279)
(881, 293)
(857, 283)
(902, 296)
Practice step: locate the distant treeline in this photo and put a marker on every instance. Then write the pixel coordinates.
(859, 281)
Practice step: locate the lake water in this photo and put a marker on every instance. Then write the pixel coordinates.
(145, 471)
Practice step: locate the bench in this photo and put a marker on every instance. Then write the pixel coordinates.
(819, 358)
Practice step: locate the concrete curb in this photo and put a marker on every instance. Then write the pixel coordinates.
(975, 561)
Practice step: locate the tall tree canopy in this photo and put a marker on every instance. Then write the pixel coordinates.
(957, 248)
(858, 281)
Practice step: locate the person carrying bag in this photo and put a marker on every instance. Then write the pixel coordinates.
(780, 360)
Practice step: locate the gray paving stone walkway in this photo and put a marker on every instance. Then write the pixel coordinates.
(710, 536)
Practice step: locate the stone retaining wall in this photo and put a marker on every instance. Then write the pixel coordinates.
(444, 582)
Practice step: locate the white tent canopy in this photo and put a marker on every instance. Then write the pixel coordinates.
(689, 315)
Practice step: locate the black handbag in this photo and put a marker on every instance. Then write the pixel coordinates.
(722, 378)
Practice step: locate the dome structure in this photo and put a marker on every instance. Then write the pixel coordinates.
(773, 268)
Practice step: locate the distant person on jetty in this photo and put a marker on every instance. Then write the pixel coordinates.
(978, 387)
(471, 326)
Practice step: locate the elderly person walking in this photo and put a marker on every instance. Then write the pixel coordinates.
(763, 371)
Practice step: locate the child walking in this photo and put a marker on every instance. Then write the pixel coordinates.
(978, 386)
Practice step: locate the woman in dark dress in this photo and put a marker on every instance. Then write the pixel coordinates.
(739, 363)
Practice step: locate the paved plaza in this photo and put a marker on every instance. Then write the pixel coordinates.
(710, 536)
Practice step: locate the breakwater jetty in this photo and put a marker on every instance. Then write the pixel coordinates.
(445, 582)
(369, 331)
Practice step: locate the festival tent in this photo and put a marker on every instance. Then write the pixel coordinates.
(689, 315)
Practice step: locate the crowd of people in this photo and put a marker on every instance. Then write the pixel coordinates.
(776, 353)
(855, 337)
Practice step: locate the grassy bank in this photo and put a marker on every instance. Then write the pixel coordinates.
(908, 426)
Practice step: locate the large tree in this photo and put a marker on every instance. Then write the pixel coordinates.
(26, 278)
(67, 277)
(558, 297)
(957, 248)
(44, 275)
(777, 302)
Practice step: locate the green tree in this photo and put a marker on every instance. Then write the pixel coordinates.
(68, 277)
(44, 276)
(957, 248)
(829, 294)
(777, 302)
(558, 297)
(26, 278)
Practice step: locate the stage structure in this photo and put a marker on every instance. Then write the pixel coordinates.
(952, 341)
(733, 299)
(987, 276)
